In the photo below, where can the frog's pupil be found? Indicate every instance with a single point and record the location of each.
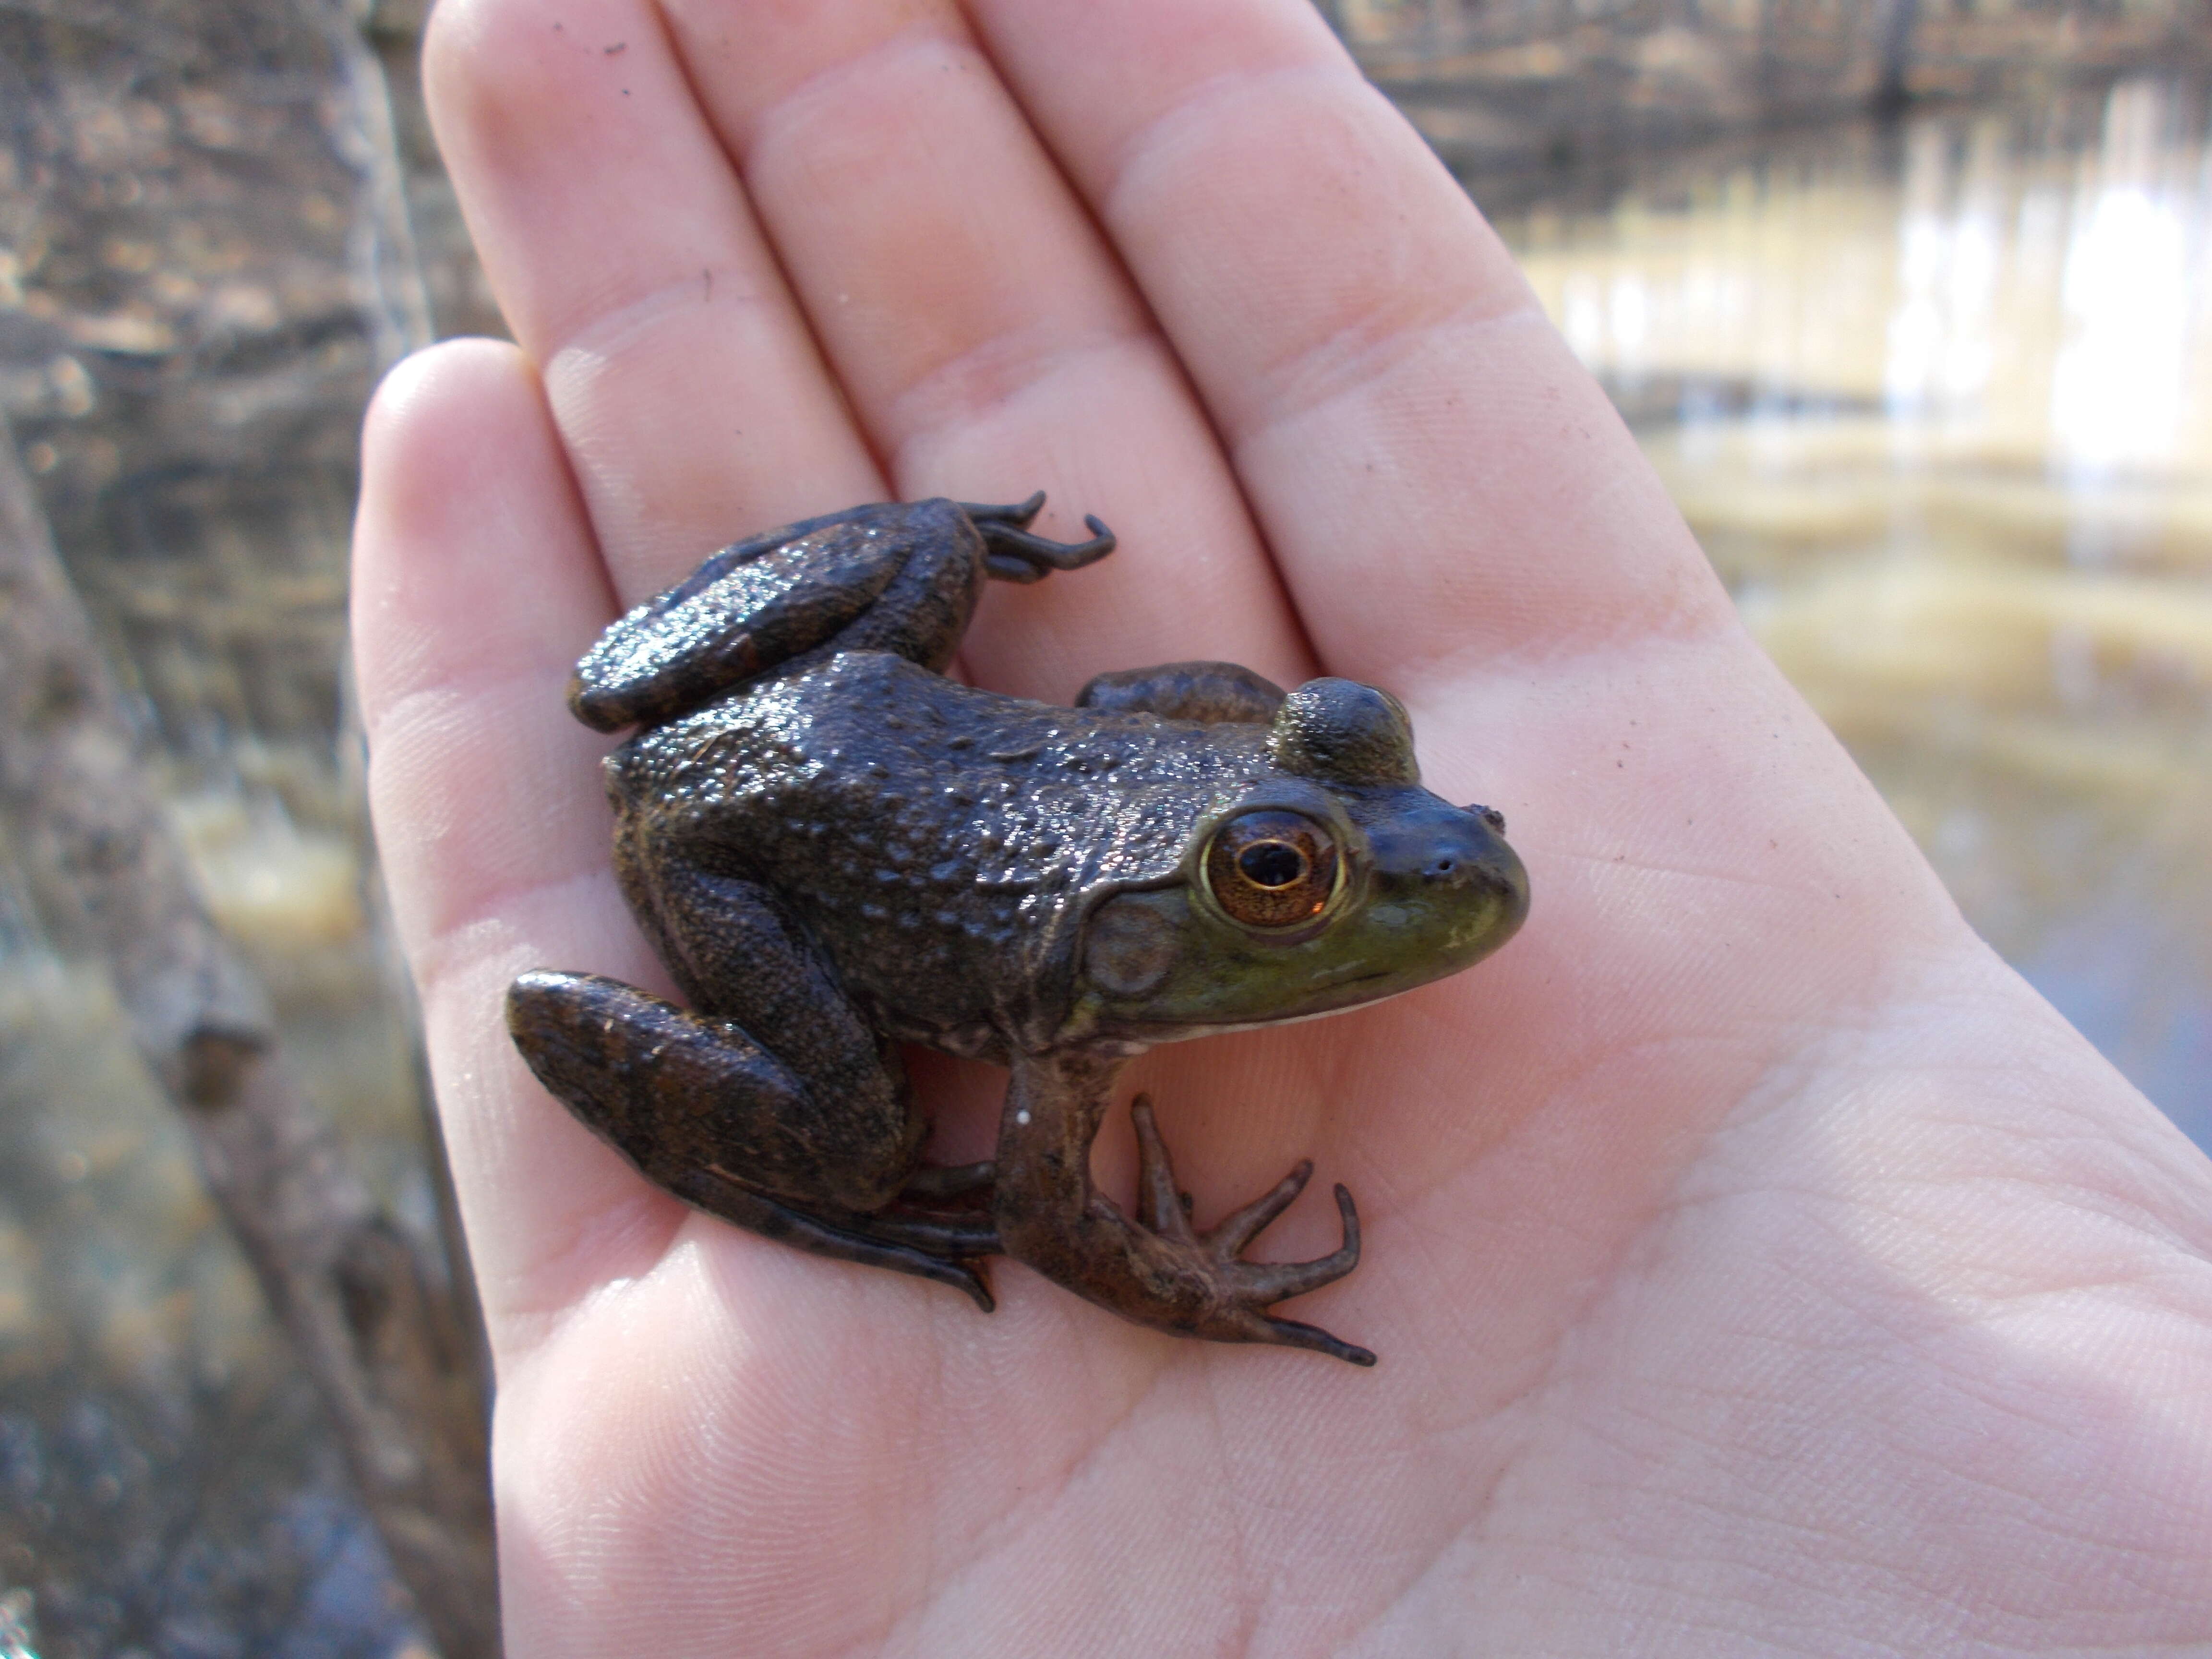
(1271, 864)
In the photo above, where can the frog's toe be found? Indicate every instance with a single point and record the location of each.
(1279, 1281)
(1236, 1230)
(1246, 1289)
(1293, 1335)
(1012, 554)
(1018, 513)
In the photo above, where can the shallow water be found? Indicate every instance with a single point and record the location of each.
(1937, 399)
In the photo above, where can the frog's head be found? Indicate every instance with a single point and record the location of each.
(1333, 880)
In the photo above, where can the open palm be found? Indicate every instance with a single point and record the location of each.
(1755, 1263)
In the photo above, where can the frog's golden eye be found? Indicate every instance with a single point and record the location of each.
(1270, 868)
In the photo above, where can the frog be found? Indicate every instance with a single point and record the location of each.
(839, 852)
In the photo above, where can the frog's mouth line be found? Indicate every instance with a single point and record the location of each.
(1354, 1007)
(1338, 981)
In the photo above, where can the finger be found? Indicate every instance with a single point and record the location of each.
(1439, 480)
(986, 334)
(688, 395)
(475, 584)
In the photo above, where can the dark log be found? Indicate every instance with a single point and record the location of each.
(390, 1355)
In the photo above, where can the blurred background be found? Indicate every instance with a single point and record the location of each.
(1904, 298)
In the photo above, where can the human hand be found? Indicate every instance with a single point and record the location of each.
(1756, 1263)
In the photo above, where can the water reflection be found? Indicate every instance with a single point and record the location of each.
(1938, 400)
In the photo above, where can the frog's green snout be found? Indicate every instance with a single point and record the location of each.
(1453, 857)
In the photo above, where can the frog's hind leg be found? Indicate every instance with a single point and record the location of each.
(896, 576)
(705, 1112)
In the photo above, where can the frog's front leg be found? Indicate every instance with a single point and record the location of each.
(1155, 1268)
(708, 1114)
(1216, 693)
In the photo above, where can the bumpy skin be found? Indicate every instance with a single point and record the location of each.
(835, 850)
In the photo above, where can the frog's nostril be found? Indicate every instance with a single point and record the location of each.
(1442, 868)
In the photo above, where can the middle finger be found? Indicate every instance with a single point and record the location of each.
(692, 405)
(985, 334)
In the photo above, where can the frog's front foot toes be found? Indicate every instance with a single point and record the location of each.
(1243, 1291)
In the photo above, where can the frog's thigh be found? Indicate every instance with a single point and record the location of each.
(708, 1114)
(851, 1136)
(672, 1090)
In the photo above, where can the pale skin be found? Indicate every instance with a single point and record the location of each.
(1757, 1265)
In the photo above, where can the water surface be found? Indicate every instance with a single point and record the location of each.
(1936, 396)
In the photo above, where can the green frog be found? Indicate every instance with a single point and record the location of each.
(837, 850)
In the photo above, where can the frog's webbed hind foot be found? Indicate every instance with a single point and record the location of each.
(1245, 1289)
(943, 1249)
(1012, 553)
